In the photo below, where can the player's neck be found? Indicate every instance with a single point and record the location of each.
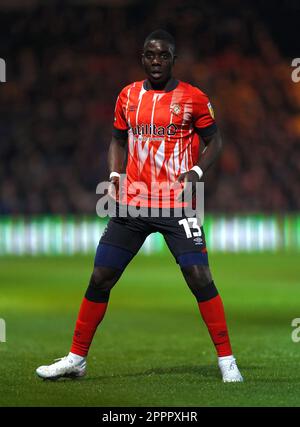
(168, 85)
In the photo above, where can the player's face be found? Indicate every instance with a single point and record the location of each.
(158, 59)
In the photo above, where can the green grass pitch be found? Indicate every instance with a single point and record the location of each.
(152, 349)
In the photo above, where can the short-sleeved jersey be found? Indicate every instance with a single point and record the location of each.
(163, 129)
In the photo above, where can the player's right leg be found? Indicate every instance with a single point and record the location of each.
(119, 243)
(91, 313)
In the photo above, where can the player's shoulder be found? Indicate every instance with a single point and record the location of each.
(195, 91)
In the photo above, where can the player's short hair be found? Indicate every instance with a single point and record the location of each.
(161, 35)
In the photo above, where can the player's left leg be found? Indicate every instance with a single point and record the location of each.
(199, 279)
(186, 240)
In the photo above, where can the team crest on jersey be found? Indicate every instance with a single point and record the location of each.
(211, 110)
(175, 108)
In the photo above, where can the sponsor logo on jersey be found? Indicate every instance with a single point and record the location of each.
(211, 110)
(132, 108)
(149, 129)
(176, 109)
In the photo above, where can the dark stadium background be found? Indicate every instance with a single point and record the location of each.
(66, 62)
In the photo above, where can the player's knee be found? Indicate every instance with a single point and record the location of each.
(197, 275)
(104, 277)
(199, 280)
(101, 282)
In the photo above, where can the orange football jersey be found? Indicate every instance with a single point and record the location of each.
(163, 128)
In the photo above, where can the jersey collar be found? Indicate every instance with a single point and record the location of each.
(171, 85)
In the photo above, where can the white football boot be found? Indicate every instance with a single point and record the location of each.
(71, 366)
(230, 371)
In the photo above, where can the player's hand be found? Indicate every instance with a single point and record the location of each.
(113, 188)
(188, 190)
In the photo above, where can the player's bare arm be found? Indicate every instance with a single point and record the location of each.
(116, 161)
(212, 150)
(207, 157)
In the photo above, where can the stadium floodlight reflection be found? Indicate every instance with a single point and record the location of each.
(57, 235)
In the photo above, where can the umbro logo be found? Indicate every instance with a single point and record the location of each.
(198, 241)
